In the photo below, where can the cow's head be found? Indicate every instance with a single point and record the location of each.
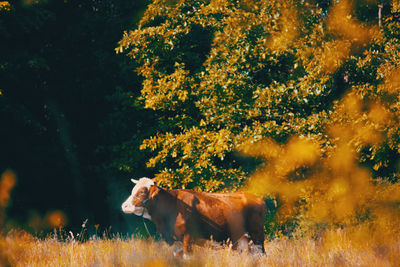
(143, 191)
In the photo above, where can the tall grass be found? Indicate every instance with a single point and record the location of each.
(22, 249)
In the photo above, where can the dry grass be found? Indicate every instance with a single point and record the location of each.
(21, 249)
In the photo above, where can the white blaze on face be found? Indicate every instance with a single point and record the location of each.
(129, 207)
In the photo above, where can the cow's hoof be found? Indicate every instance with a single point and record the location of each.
(178, 254)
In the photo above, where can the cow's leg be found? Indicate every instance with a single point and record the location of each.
(181, 232)
(187, 246)
(236, 229)
(242, 244)
(257, 238)
(177, 249)
(257, 247)
(255, 228)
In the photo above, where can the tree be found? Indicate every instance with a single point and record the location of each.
(219, 74)
(305, 86)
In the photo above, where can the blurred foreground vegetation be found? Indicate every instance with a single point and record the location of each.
(333, 249)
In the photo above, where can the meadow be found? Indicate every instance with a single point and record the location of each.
(333, 248)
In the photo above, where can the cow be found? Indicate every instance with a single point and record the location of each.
(190, 216)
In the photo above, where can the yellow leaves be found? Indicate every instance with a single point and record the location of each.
(332, 188)
(282, 161)
(351, 104)
(343, 158)
(388, 193)
(326, 56)
(220, 143)
(56, 219)
(332, 193)
(342, 22)
(266, 148)
(333, 54)
(167, 91)
(195, 148)
(392, 82)
(357, 127)
(348, 192)
(5, 5)
(217, 6)
(7, 182)
(302, 152)
(348, 35)
(395, 6)
(268, 69)
(352, 123)
(288, 30)
(378, 114)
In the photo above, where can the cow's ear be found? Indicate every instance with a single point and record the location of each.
(153, 191)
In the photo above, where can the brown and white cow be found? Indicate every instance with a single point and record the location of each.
(187, 215)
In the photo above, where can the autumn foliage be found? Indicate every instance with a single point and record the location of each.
(310, 89)
(225, 73)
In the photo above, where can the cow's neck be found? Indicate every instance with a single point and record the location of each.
(163, 204)
(162, 210)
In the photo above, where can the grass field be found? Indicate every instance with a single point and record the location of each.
(22, 249)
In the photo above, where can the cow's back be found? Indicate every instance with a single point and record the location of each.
(222, 215)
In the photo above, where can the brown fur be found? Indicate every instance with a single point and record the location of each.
(186, 215)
